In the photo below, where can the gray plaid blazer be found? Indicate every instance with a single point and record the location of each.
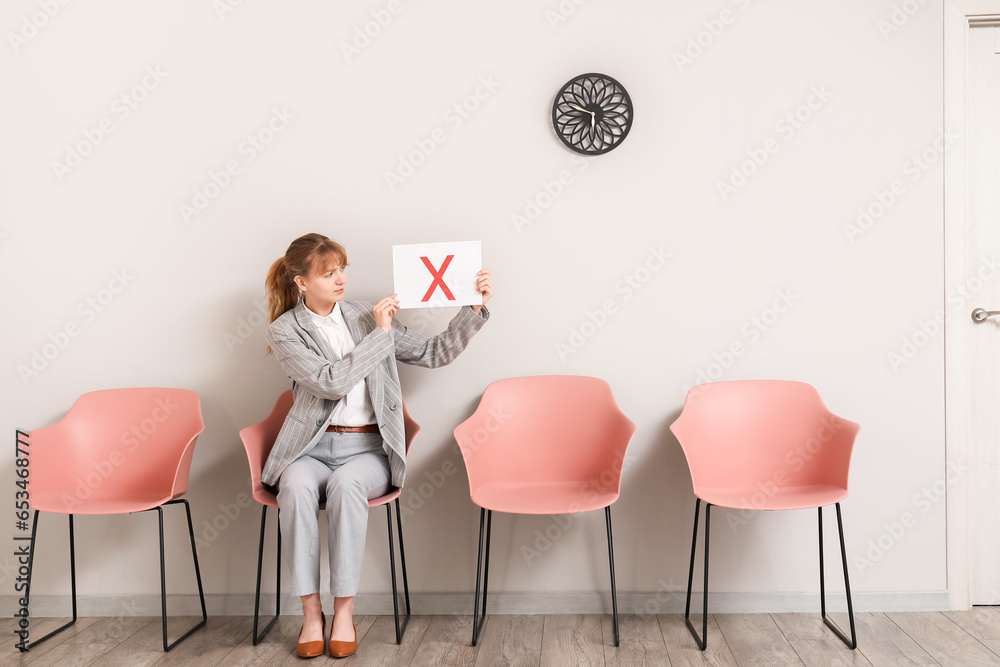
(319, 380)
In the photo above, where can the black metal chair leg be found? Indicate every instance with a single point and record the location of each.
(163, 577)
(703, 640)
(260, 566)
(400, 628)
(194, 557)
(72, 578)
(476, 621)
(851, 643)
(392, 568)
(611, 560)
(402, 559)
(486, 565)
(277, 572)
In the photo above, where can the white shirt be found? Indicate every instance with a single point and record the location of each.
(354, 408)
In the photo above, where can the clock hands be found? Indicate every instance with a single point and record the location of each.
(592, 116)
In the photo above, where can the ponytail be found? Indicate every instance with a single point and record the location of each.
(282, 293)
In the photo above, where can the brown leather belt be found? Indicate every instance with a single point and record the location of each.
(370, 428)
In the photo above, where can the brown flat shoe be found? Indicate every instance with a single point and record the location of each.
(311, 649)
(339, 649)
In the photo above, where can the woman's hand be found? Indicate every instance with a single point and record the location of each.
(484, 287)
(384, 310)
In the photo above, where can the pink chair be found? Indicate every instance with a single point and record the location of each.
(117, 451)
(258, 440)
(765, 445)
(549, 444)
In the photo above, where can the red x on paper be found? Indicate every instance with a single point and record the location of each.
(438, 278)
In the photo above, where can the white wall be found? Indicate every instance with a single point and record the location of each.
(854, 300)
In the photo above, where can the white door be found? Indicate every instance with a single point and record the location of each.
(983, 338)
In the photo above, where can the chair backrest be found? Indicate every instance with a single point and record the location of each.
(545, 428)
(740, 433)
(116, 445)
(259, 439)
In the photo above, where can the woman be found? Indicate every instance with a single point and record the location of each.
(342, 441)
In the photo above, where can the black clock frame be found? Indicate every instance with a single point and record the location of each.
(602, 109)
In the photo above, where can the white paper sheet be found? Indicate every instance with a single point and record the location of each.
(428, 275)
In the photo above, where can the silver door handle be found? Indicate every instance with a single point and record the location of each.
(979, 315)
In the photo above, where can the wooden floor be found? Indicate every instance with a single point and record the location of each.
(925, 638)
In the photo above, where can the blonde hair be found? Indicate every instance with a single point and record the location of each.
(304, 254)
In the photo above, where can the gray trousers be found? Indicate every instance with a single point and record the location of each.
(344, 470)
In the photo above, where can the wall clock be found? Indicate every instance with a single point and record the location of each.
(592, 113)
